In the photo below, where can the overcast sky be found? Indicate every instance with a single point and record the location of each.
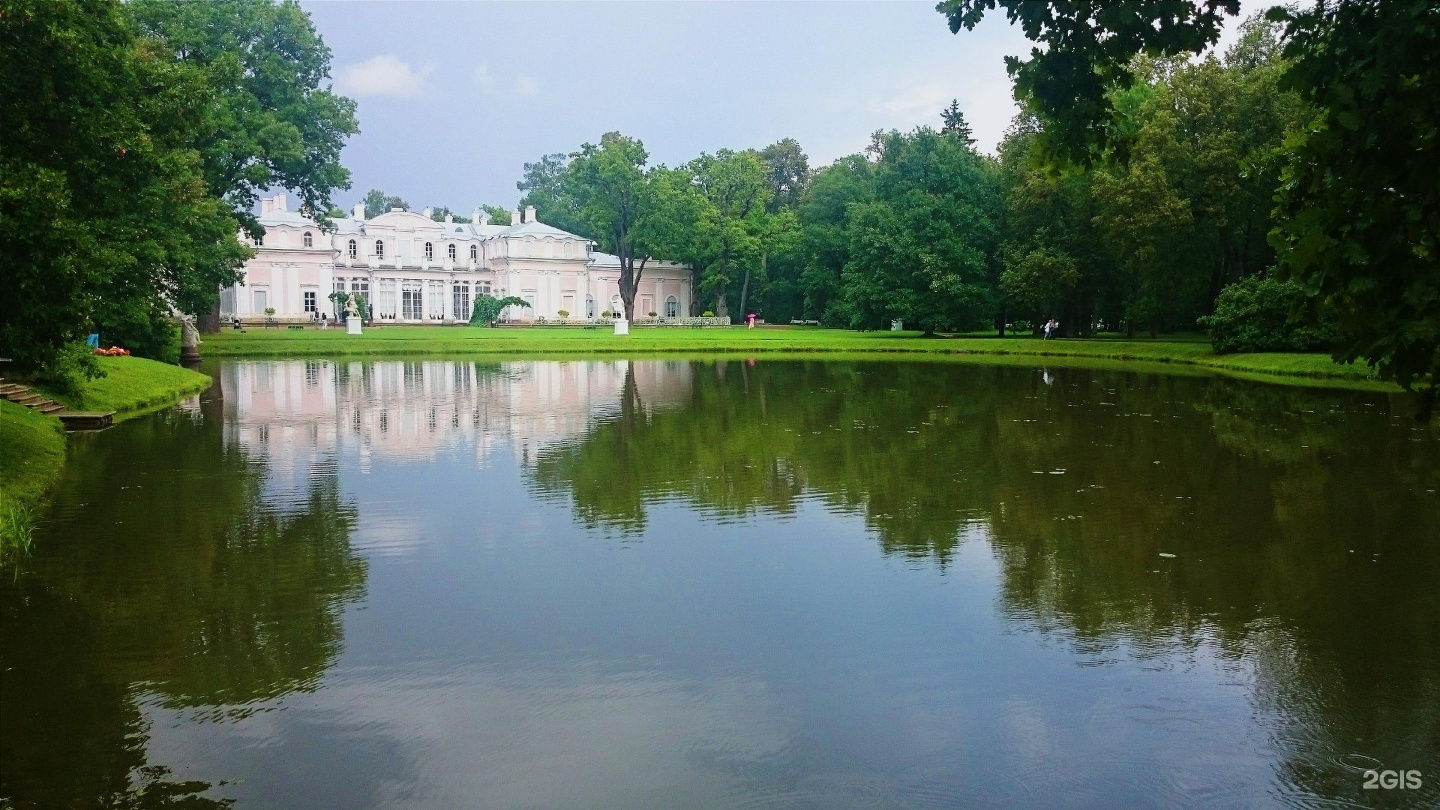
(455, 97)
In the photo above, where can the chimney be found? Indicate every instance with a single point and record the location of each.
(426, 212)
(280, 202)
(514, 217)
(358, 213)
(529, 213)
(449, 219)
(267, 204)
(482, 217)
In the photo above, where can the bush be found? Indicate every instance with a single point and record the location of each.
(707, 314)
(1253, 315)
(563, 313)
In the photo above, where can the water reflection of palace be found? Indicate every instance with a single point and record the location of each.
(414, 409)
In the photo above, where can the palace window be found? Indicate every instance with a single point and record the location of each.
(310, 300)
(452, 251)
(672, 307)
(436, 304)
(429, 252)
(483, 288)
(309, 240)
(354, 250)
(460, 298)
(387, 298)
(412, 303)
(260, 297)
(474, 252)
(379, 248)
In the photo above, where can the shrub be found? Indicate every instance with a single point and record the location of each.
(652, 314)
(707, 314)
(1253, 315)
(563, 313)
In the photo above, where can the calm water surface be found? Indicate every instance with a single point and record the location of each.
(731, 585)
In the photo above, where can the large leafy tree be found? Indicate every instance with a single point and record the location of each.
(273, 121)
(1357, 214)
(825, 216)
(922, 248)
(735, 188)
(1358, 205)
(609, 188)
(1084, 52)
(377, 202)
(106, 214)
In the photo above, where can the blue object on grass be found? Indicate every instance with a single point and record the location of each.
(93, 341)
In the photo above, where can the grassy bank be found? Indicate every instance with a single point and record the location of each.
(133, 385)
(32, 452)
(576, 341)
(32, 445)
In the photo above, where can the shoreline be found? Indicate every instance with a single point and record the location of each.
(781, 343)
(32, 444)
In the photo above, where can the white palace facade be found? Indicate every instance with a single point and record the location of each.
(415, 270)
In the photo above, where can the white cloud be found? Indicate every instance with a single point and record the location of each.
(383, 75)
(484, 78)
(526, 85)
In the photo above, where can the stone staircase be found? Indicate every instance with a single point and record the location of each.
(24, 395)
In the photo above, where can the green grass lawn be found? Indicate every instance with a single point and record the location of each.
(133, 384)
(578, 341)
(32, 453)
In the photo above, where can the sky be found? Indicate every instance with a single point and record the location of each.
(455, 97)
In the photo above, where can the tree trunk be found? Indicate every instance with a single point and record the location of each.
(1000, 322)
(745, 287)
(722, 307)
(209, 322)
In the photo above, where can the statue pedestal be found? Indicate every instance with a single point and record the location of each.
(352, 326)
(622, 327)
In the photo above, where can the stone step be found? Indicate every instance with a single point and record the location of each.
(53, 407)
(29, 401)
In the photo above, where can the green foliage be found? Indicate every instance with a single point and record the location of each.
(922, 247)
(1358, 207)
(378, 202)
(1085, 52)
(439, 214)
(1259, 314)
(137, 139)
(32, 453)
(487, 308)
(953, 123)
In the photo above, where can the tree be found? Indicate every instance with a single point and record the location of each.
(735, 187)
(922, 248)
(273, 124)
(439, 214)
(789, 171)
(378, 202)
(824, 214)
(953, 123)
(781, 264)
(547, 186)
(608, 188)
(1358, 206)
(1087, 50)
(104, 197)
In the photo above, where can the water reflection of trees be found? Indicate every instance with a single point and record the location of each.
(190, 586)
(1304, 523)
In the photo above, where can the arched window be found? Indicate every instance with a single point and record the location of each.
(589, 306)
(672, 307)
(309, 240)
(354, 250)
(429, 251)
(260, 240)
(474, 252)
(379, 248)
(452, 251)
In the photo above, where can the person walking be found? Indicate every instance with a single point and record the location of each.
(1049, 327)
(752, 321)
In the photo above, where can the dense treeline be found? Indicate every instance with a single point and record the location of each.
(924, 228)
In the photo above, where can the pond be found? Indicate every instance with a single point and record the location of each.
(731, 583)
